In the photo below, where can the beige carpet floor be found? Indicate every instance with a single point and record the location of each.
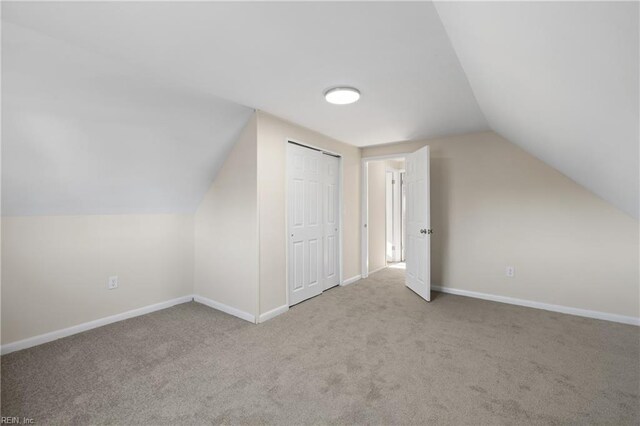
(372, 352)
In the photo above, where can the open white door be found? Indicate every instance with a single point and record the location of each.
(418, 237)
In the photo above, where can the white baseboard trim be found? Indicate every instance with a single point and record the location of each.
(351, 280)
(378, 269)
(273, 313)
(225, 308)
(59, 334)
(539, 305)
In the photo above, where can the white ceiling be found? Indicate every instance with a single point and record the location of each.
(560, 80)
(281, 57)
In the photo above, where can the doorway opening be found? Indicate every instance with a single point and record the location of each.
(396, 218)
(384, 209)
(385, 196)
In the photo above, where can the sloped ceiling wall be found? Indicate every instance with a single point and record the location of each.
(560, 79)
(86, 134)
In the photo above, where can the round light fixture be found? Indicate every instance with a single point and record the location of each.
(342, 95)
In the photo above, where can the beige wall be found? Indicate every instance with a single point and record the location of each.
(55, 268)
(272, 135)
(494, 205)
(376, 225)
(226, 230)
(395, 164)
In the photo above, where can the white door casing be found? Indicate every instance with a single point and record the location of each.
(403, 217)
(305, 222)
(394, 228)
(397, 216)
(331, 207)
(389, 217)
(418, 237)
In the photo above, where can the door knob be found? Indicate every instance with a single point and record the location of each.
(423, 231)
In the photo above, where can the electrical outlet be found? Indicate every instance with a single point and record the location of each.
(113, 282)
(510, 271)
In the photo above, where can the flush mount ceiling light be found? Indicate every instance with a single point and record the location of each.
(342, 95)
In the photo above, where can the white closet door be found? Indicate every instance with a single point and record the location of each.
(305, 223)
(418, 250)
(332, 221)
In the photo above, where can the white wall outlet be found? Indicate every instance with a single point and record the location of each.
(510, 271)
(113, 282)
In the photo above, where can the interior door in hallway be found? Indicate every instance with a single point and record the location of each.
(305, 227)
(418, 238)
(331, 218)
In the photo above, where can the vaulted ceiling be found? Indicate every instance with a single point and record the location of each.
(85, 134)
(560, 79)
(116, 107)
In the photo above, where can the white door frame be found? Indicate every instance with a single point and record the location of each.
(286, 209)
(364, 206)
(389, 210)
(396, 212)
